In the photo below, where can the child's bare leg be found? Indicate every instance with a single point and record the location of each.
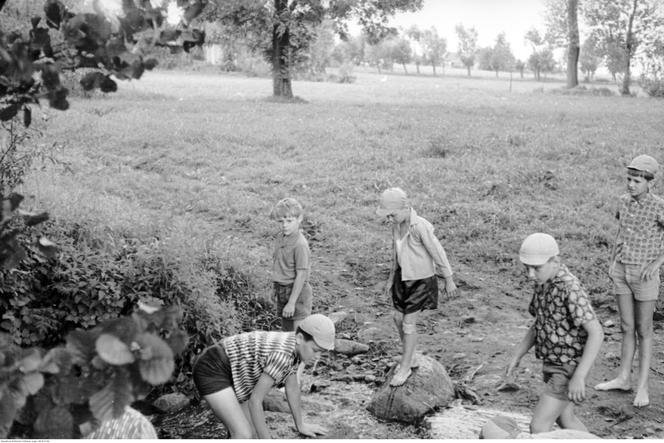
(568, 420)
(644, 312)
(398, 321)
(226, 406)
(247, 414)
(628, 346)
(547, 411)
(409, 340)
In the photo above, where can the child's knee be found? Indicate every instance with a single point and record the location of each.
(409, 328)
(537, 426)
(397, 317)
(627, 327)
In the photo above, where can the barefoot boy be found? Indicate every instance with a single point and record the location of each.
(566, 334)
(235, 374)
(417, 260)
(637, 256)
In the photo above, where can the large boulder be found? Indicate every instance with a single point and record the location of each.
(429, 387)
(130, 425)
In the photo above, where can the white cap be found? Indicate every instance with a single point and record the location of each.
(321, 329)
(537, 249)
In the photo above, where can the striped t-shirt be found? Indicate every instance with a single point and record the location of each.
(254, 353)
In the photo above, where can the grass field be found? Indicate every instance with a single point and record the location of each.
(193, 163)
(206, 156)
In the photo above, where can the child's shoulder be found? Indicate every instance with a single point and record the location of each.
(567, 281)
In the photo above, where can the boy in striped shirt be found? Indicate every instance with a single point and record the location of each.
(234, 375)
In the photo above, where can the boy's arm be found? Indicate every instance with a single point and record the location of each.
(265, 383)
(298, 284)
(521, 350)
(577, 388)
(292, 389)
(437, 252)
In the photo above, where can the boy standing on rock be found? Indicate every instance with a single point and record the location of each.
(418, 259)
(566, 334)
(638, 255)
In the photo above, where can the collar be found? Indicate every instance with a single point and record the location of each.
(289, 239)
(646, 199)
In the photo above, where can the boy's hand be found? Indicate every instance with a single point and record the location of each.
(577, 389)
(651, 270)
(312, 430)
(450, 287)
(509, 372)
(288, 310)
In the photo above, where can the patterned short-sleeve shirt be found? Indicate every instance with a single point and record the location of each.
(560, 307)
(252, 354)
(640, 237)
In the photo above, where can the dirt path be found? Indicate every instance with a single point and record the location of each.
(479, 328)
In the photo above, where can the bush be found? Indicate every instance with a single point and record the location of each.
(653, 86)
(92, 282)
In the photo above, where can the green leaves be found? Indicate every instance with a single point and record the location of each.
(54, 422)
(156, 359)
(113, 351)
(112, 400)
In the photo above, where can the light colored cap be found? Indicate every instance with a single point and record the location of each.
(537, 249)
(644, 163)
(392, 199)
(321, 329)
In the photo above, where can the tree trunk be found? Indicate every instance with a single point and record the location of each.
(281, 78)
(468, 68)
(573, 47)
(433, 65)
(496, 73)
(405, 71)
(629, 50)
(417, 65)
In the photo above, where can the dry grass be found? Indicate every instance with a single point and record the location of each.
(204, 157)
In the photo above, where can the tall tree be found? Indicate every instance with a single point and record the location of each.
(467, 47)
(414, 34)
(434, 47)
(590, 57)
(285, 28)
(621, 24)
(562, 31)
(501, 58)
(573, 46)
(541, 59)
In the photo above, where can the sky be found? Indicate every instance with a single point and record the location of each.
(488, 17)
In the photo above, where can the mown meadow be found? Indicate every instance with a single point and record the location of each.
(185, 167)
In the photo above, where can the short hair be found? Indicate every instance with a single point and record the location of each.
(637, 173)
(305, 334)
(287, 207)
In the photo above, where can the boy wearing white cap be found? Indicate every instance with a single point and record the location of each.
(418, 259)
(235, 374)
(637, 256)
(566, 334)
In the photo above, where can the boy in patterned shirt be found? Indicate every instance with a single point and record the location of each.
(234, 375)
(566, 334)
(637, 256)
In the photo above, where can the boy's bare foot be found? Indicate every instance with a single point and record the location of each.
(641, 400)
(615, 384)
(415, 362)
(400, 377)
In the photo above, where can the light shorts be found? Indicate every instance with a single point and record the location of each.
(627, 281)
(557, 379)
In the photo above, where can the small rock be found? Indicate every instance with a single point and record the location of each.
(319, 385)
(459, 355)
(371, 334)
(274, 401)
(171, 402)
(609, 324)
(469, 320)
(370, 378)
(649, 430)
(356, 359)
(349, 347)
(338, 316)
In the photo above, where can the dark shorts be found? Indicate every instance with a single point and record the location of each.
(414, 295)
(557, 379)
(302, 305)
(212, 371)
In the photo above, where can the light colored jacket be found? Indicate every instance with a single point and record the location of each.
(422, 255)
